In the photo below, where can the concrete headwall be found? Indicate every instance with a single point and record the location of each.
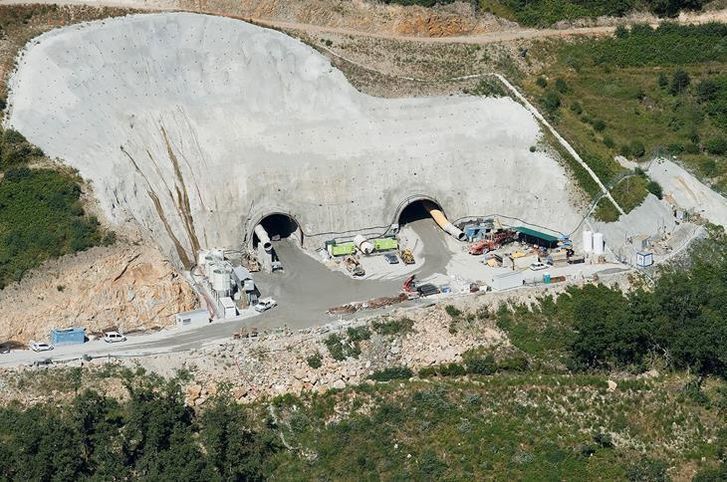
(197, 126)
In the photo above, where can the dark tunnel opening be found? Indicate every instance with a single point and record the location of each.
(279, 226)
(417, 210)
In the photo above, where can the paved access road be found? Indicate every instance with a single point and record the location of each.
(304, 293)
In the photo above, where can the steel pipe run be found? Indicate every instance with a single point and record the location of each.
(444, 223)
(262, 235)
(366, 247)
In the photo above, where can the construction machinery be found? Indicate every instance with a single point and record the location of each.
(407, 256)
(409, 288)
(353, 266)
(497, 240)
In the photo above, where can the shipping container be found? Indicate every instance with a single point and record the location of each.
(68, 336)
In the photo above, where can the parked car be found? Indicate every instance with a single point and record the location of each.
(113, 337)
(391, 258)
(265, 304)
(538, 266)
(40, 346)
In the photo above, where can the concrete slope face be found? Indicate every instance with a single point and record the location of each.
(197, 126)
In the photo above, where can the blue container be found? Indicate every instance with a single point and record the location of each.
(546, 278)
(68, 336)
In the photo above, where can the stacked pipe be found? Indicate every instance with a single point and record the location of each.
(444, 223)
(262, 235)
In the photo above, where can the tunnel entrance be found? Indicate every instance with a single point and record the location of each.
(416, 211)
(429, 209)
(278, 226)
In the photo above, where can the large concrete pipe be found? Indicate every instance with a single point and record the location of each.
(444, 223)
(262, 235)
(366, 247)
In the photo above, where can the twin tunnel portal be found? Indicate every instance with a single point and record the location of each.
(278, 226)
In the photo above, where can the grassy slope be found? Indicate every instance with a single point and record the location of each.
(611, 100)
(531, 426)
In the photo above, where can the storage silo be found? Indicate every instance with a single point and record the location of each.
(598, 244)
(587, 241)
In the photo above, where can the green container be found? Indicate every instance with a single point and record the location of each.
(385, 244)
(342, 249)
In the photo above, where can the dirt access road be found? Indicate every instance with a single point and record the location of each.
(506, 35)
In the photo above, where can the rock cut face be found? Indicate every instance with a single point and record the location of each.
(197, 126)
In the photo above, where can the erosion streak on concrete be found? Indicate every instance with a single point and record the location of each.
(182, 196)
(262, 120)
(183, 258)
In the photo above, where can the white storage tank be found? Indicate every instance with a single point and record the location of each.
(598, 244)
(220, 279)
(366, 247)
(587, 241)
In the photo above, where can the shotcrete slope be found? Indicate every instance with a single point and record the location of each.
(196, 126)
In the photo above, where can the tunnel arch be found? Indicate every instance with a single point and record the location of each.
(278, 225)
(422, 207)
(414, 208)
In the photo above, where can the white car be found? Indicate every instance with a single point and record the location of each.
(113, 337)
(538, 266)
(265, 304)
(40, 346)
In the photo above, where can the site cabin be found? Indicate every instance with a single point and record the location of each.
(507, 280)
(644, 259)
(195, 317)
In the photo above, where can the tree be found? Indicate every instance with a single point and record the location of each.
(679, 82)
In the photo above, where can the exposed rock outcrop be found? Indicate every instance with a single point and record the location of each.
(124, 286)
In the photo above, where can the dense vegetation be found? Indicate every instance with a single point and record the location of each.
(544, 13)
(41, 214)
(152, 436)
(642, 92)
(680, 321)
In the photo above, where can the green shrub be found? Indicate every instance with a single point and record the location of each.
(360, 333)
(453, 311)
(679, 82)
(516, 363)
(655, 188)
(481, 365)
(551, 101)
(443, 370)
(392, 373)
(393, 327)
(561, 85)
(576, 107)
(647, 470)
(663, 80)
(637, 148)
(621, 31)
(599, 125)
(608, 142)
(315, 361)
(541, 82)
(716, 146)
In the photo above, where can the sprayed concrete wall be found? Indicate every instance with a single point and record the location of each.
(197, 126)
